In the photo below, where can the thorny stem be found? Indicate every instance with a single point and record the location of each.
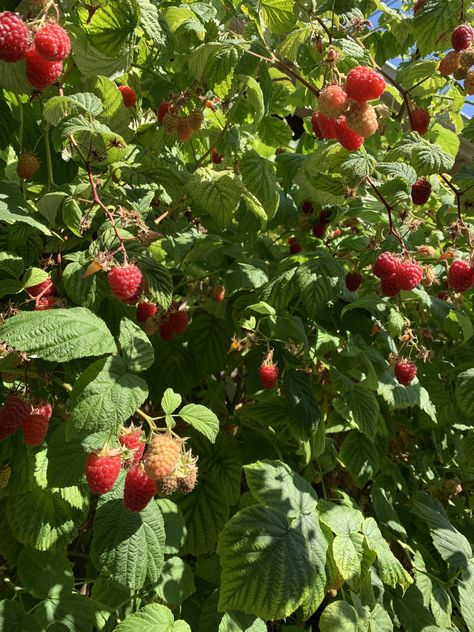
(389, 208)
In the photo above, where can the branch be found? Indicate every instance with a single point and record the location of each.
(389, 208)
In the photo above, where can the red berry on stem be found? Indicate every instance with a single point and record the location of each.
(364, 84)
(163, 109)
(333, 101)
(420, 121)
(13, 37)
(347, 138)
(218, 293)
(319, 230)
(138, 490)
(145, 311)
(52, 42)
(174, 322)
(389, 286)
(102, 470)
(268, 372)
(12, 414)
(45, 288)
(405, 371)
(460, 276)
(216, 157)
(462, 37)
(40, 72)
(43, 408)
(27, 166)
(420, 191)
(295, 248)
(307, 207)
(129, 96)
(386, 265)
(323, 127)
(125, 282)
(35, 428)
(353, 281)
(408, 275)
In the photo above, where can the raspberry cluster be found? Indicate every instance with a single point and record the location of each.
(396, 274)
(179, 124)
(33, 418)
(458, 62)
(173, 322)
(344, 112)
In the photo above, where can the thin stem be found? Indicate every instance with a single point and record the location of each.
(49, 164)
(320, 21)
(403, 93)
(389, 208)
(456, 192)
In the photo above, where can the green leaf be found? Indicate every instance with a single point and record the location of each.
(58, 334)
(277, 15)
(258, 175)
(89, 292)
(56, 108)
(239, 622)
(175, 528)
(13, 208)
(176, 582)
(339, 616)
(126, 545)
(104, 396)
(465, 585)
(217, 195)
(14, 619)
(360, 457)
(290, 46)
(341, 519)
(390, 569)
(426, 158)
(43, 572)
(304, 411)
(202, 419)
(150, 22)
(274, 131)
(170, 401)
(152, 618)
(66, 460)
(465, 392)
(137, 350)
(254, 95)
(434, 23)
(346, 556)
(365, 409)
(319, 282)
(63, 613)
(110, 27)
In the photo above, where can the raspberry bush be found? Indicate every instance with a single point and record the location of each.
(236, 331)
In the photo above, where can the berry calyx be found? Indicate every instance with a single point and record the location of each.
(420, 191)
(162, 455)
(405, 371)
(333, 101)
(40, 72)
(460, 276)
(408, 275)
(102, 469)
(364, 84)
(362, 119)
(218, 293)
(13, 37)
(347, 138)
(125, 281)
(323, 126)
(462, 37)
(268, 372)
(353, 281)
(131, 439)
(420, 120)
(138, 490)
(129, 96)
(386, 265)
(27, 166)
(145, 310)
(52, 42)
(35, 428)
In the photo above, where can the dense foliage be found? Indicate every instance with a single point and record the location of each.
(237, 350)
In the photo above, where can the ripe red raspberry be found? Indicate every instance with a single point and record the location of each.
(347, 138)
(131, 438)
(389, 285)
(319, 230)
(12, 414)
(405, 371)
(353, 281)
(162, 455)
(418, 5)
(467, 58)
(43, 408)
(13, 37)
(462, 37)
(45, 288)
(129, 96)
(52, 42)
(469, 83)
(125, 281)
(174, 322)
(460, 276)
(333, 101)
(163, 109)
(420, 191)
(420, 120)
(216, 157)
(386, 265)
(218, 293)
(35, 428)
(102, 470)
(408, 274)
(364, 84)
(450, 63)
(27, 166)
(268, 372)
(145, 311)
(139, 489)
(39, 72)
(196, 119)
(323, 127)
(295, 247)
(45, 302)
(307, 207)
(362, 119)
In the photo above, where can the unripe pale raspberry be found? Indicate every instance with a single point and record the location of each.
(125, 282)
(386, 265)
(218, 293)
(323, 127)
(420, 120)
(187, 483)
(52, 42)
(196, 119)
(420, 191)
(129, 96)
(405, 371)
(162, 455)
(460, 276)
(40, 72)
(362, 119)
(364, 84)
(348, 139)
(408, 275)
(467, 58)
(462, 37)
(460, 73)
(469, 83)
(184, 129)
(138, 490)
(167, 485)
(450, 63)
(27, 166)
(13, 37)
(171, 122)
(333, 101)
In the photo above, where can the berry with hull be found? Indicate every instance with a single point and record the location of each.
(405, 371)
(420, 120)
(52, 42)
(347, 138)
(35, 428)
(28, 165)
(295, 248)
(333, 101)
(323, 126)
(420, 191)
(138, 490)
(353, 281)
(450, 63)
(162, 455)
(43, 408)
(40, 72)
(102, 470)
(174, 322)
(196, 119)
(167, 486)
(362, 119)
(462, 37)
(460, 276)
(145, 310)
(386, 265)
(307, 207)
(13, 37)
(125, 282)
(268, 372)
(131, 439)
(319, 230)
(216, 157)
(364, 84)
(170, 122)
(129, 96)
(408, 275)
(187, 483)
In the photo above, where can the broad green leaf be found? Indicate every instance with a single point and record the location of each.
(88, 292)
(304, 410)
(63, 612)
(274, 131)
(360, 456)
(13, 618)
(341, 519)
(43, 572)
(254, 95)
(175, 528)
(152, 618)
(426, 158)
(217, 195)
(170, 401)
(465, 585)
(319, 281)
(290, 46)
(56, 108)
(58, 334)
(202, 419)
(239, 622)
(345, 556)
(258, 175)
(465, 392)
(339, 616)
(110, 27)
(14, 208)
(390, 569)
(66, 460)
(137, 350)
(277, 15)
(433, 24)
(365, 409)
(176, 581)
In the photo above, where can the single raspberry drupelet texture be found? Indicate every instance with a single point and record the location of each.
(364, 84)
(13, 413)
(460, 276)
(268, 372)
(323, 126)
(450, 63)
(408, 275)
(139, 489)
(102, 470)
(333, 101)
(216, 157)
(125, 282)
(43, 408)
(129, 96)
(386, 265)
(131, 438)
(420, 120)
(45, 288)
(35, 428)
(469, 83)
(52, 42)
(389, 285)
(163, 109)
(467, 58)
(196, 119)
(353, 281)
(405, 371)
(167, 485)
(162, 455)
(218, 293)
(13, 37)
(362, 119)
(27, 166)
(187, 483)
(40, 72)
(420, 191)
(348, 139)
(460, 73)
(462, 37)
(170, 122)
(184, 129)
(145, 310)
